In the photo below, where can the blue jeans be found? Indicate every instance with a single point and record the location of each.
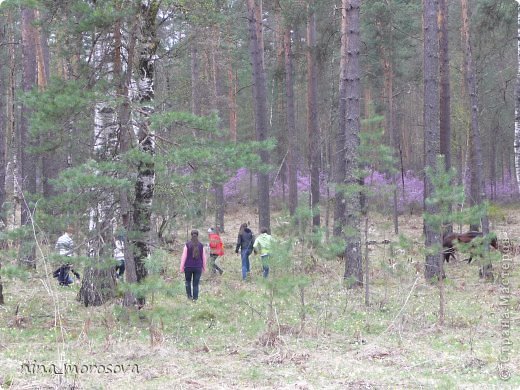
(245, 262)
(265, 265)
(189, 274)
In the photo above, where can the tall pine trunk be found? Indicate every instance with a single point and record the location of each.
(2, 153)
(256, 47)
(476, 166)
(388, 70)
(216, 87)
(313, 131)
(444, 76)
(27, 254)
(339, 151)
(350, 45)
(517, 106)
(431, 129)
(232, 100)
(125, 139)
(291, 122)
(445, 95)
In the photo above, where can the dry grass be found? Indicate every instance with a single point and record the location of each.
(223, 341)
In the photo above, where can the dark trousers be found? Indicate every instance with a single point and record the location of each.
(192, 275)
(120, 268)
(64, 277)
(214, 266)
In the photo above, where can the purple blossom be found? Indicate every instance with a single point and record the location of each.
(379, 185)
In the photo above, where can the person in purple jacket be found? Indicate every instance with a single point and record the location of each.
(193, 264)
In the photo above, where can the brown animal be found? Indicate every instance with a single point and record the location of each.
(449, 239)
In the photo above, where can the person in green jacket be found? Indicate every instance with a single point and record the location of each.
(262, 246)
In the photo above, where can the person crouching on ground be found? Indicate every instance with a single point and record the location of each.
(216, 249)
(65, 247)
(262, 245)
(193, 264)
(245, 245)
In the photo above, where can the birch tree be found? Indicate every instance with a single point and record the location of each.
(145, 183)
(98, 283)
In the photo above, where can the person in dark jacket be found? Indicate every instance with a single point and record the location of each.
(245, 242)
(63, 274)
(193, 264)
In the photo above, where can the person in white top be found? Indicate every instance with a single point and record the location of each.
(65, 247)
(119, 256)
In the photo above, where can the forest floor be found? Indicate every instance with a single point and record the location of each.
(225, 341)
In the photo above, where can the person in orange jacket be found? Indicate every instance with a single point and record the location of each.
(216, 249)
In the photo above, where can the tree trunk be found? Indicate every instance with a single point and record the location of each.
(340, 152)
(3, 137)
(477, 166)
(2, 157)
(445, 96)
(260, 103)
(313, 131)
(388, 70)
(195, 77)
(55, 160)
(28, 163)
(232, 101)
(42, 54)
(291, 123)
(98, 284)
(431, 128)
(278, 107)
(351, 44)
(145, 183)
(493, 165)
(1, 289)
(444, 75)
(517, 106)
(125, 136)
(27, 250)
(216, 105)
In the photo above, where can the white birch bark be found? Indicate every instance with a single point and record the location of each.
(98, 284)
(145, 182)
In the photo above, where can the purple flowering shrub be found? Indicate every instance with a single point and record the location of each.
(236, 188)
(379, 189)
(504, 190)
